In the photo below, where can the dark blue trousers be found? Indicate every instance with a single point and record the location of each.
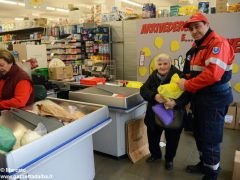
(208, 125)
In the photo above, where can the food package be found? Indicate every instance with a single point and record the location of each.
(29, 136)
(7, 139)
(49, 108)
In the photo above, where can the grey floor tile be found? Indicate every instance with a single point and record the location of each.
(108, 168)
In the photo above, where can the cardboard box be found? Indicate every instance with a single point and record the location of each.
(236, 168)
(67, 72)
(230, 118)
(56, 73)
(59, 73)
(28, 51)
(237, 123)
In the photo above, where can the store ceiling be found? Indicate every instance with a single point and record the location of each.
(9, 12)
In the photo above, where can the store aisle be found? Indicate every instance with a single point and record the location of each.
(111, 169)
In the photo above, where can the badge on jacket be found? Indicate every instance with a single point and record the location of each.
(215, 50)
(189, 57)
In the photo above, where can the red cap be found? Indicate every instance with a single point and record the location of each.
(195, 18)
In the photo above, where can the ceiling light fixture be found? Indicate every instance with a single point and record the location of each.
(50, 8)
(62, 10)
(19, 19)
(8, 2)
(21, 4)
(35, 7)
(132, 3)
(84, 6)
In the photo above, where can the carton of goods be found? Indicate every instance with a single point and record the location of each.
(230, 118)
(92, 81)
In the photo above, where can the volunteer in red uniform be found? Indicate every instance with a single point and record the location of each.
(16, 89)
(209, 63)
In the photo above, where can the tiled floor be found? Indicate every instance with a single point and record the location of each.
(111, 169)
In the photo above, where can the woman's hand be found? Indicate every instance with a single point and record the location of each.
(159, 98)
(170, 103)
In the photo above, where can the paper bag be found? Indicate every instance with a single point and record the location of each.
(137, 143)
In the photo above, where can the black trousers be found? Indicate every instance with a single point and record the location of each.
(172, 139)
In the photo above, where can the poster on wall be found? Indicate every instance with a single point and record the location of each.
(167, 35)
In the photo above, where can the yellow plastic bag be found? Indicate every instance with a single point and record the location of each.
(171, 90)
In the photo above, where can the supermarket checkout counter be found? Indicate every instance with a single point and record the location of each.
(66, 86)
(124, 104)
(65, 152)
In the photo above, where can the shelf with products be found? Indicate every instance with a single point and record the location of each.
(89, 50)
(23, 31)
(98, 51)
(21, 36)
(67, 49)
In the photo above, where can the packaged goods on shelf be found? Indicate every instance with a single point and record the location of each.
(187, 10)
(149, 10)
(163, 13)
(203, 7)
(174, 10)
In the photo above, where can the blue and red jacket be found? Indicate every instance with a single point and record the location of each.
(211, 65)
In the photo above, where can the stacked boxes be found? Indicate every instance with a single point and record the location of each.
(237, 124)
(230, 117)
(236, 169)
(59, 73)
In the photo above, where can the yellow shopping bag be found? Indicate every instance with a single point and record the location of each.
(171, 90)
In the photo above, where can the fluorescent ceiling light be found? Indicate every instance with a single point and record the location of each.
(21, 4)
(83, 5)
(36, 14)
(132, 3)
(50, 8)
(19, 19)
(62, 10)
(8, 2)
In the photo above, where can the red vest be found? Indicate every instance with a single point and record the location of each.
(11, 79)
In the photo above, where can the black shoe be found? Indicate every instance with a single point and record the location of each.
(152, 159)
(196, 169)
(168, 165)
(207, 177)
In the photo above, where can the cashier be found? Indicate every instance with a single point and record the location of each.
(16, 88)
